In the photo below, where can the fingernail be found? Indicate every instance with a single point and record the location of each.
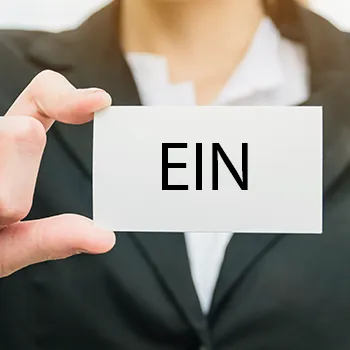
(102, 94)
(78, 252)
(94, 90)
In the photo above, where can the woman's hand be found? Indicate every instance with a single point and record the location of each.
(48, 97)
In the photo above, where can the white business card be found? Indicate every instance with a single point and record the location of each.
(208, 169)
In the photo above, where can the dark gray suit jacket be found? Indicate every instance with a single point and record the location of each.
(275, 292)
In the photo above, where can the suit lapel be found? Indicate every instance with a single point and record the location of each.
(330, 85)
(245, 250)
(167, 253)
(90, 57)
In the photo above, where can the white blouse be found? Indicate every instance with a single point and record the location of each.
(274, 71)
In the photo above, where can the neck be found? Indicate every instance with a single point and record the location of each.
(168, 26)
(186, 31)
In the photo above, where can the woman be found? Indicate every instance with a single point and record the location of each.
(174, 291)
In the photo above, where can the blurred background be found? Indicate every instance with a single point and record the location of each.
(56, 15)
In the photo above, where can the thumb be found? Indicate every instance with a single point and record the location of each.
(31, 242)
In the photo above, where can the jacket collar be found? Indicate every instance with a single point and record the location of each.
(90, 56)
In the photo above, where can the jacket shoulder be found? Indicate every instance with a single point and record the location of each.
(347, 35)
(15, 43)
(16, 71)
(19, 38)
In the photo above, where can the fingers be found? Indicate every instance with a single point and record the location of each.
(22, 141)
(50, 96)
(27, 243)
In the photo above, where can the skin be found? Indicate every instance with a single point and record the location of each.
(203, 40)
(49, 97)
